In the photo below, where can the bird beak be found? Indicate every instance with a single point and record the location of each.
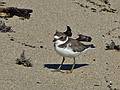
(54, 40)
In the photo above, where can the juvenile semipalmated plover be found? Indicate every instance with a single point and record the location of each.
(68, 47)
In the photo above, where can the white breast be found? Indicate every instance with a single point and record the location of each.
(66, 52)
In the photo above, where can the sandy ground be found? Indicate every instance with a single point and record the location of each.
(103, 69)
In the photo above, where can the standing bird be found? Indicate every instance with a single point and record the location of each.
(66, 46)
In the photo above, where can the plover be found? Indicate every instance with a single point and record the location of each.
(68, 47)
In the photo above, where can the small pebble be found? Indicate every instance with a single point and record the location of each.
(41, 46)
(38, 82)
(103, 35)
(12, 39)
(106, 63)
(93, 59)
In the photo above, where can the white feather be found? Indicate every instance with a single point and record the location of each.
(66, 52)
(59, 42)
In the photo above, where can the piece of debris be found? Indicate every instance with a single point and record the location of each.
(23, 61)
(2, 3)
(94, 59)
(11, 39)
(41, 46)
(13, 11)
(4, 28)
(105, 1)
(110, 85)
(81, 5)
(96, 85)
(95, 4)
(114, 29)
(108, 10)
(107, 63)
(84, 38)
(22, 43)
(93, 9)
(119, 37)
(28, 45)
(96, 7)
(103, 35)
(112, 46)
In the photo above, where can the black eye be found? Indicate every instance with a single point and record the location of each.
(61, 37)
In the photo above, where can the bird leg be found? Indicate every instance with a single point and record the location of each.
(58, 69)
(73, 65)
(61, 64)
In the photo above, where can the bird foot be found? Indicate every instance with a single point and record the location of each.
(69, 71)
(57, 70)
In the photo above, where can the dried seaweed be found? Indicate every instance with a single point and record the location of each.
(9, 12)
(108, 10)
(93, 9)
(81, 5)
(23, 61)
(96, 7)
(112, 46)
(105, 1)
(4, 28)
(94, 3)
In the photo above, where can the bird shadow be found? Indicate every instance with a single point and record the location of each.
(64, 66)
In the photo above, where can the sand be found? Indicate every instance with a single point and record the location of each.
(103, 69)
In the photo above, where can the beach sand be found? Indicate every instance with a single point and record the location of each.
(83, 16)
